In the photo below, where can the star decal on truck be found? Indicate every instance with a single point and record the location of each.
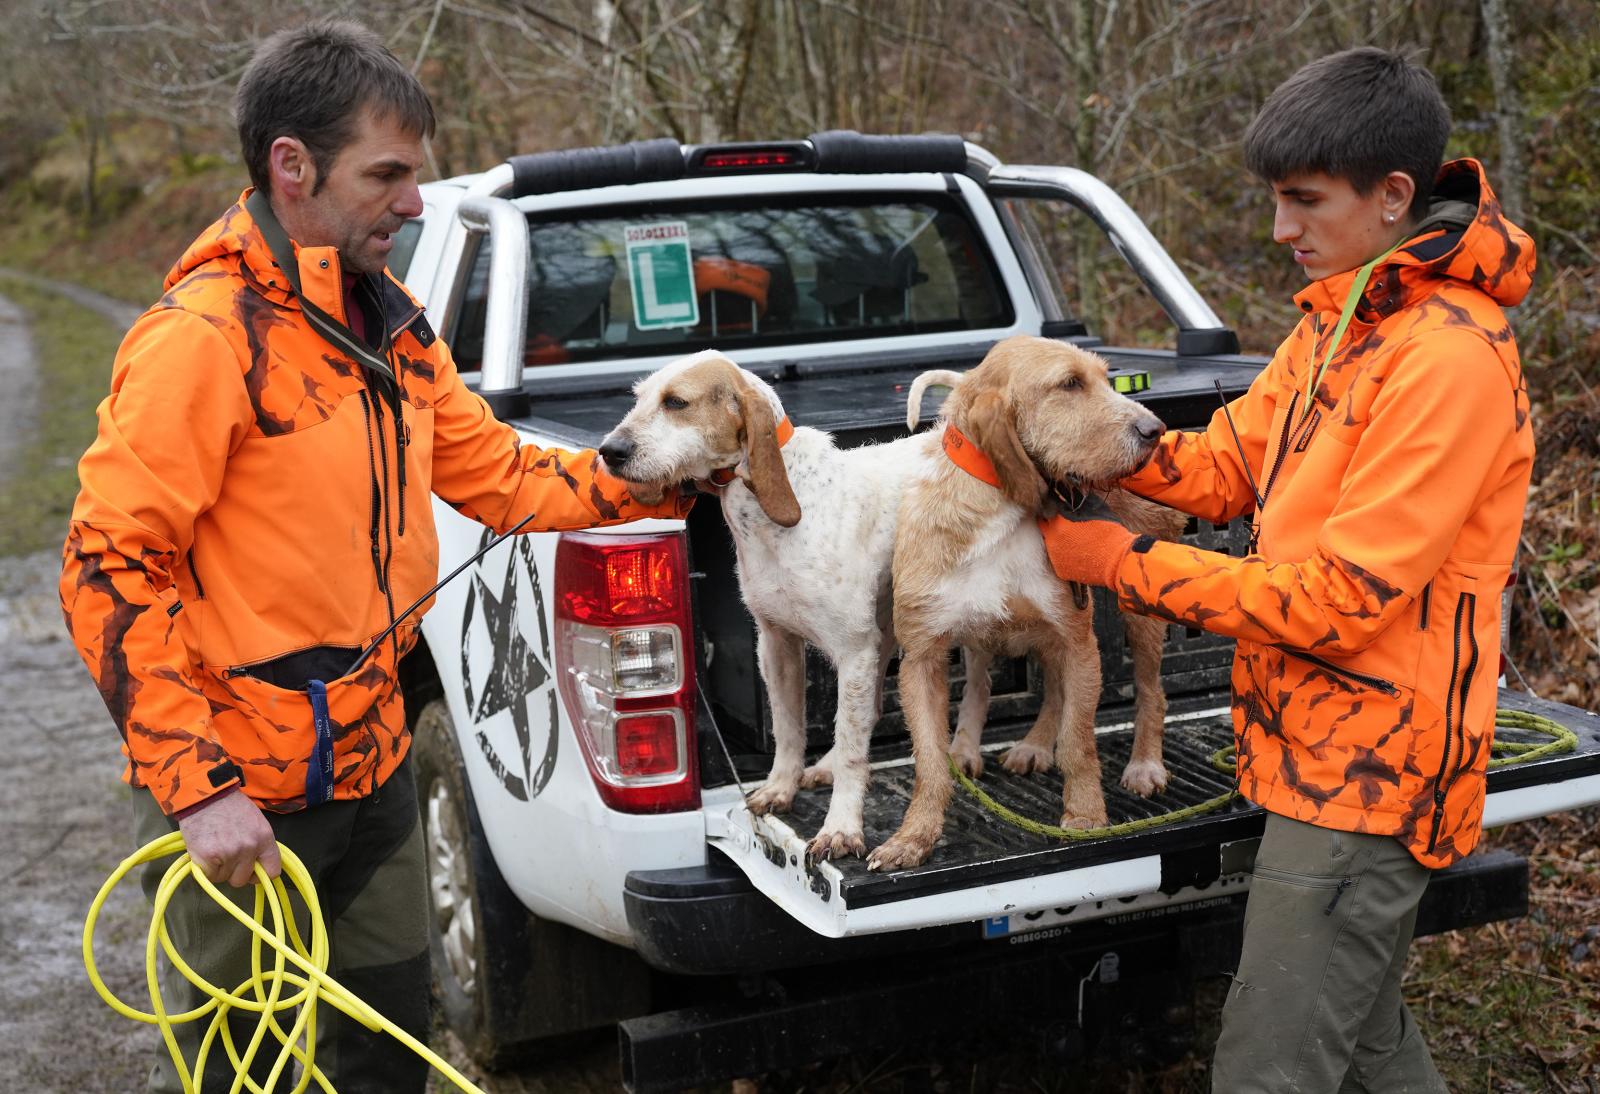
(515, 672)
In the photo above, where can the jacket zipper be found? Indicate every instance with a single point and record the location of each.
(400, 445)
(377, 501)
(1455, 714)
(388, 543)
(395, 366)
(1272, 475)
(1426, 602)
(1376, 683)
(199, 589)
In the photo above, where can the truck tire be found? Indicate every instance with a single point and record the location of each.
(512, 986)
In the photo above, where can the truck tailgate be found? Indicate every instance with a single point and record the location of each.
(985, 869)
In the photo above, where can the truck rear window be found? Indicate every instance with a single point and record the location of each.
(666, 279)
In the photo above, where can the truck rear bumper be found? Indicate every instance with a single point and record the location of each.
(712, 920)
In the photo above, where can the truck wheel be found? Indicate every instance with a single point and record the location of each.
(512, 986)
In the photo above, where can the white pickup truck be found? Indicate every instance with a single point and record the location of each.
(587, 708)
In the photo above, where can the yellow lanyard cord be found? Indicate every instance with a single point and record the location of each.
(1357, 287)
(264, 992)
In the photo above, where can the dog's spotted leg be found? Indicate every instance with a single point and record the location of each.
(782, 657)
(974, 712)
(859, 682)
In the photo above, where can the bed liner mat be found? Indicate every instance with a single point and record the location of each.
(979, 851)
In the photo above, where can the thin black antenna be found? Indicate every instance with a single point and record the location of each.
(441, 583)
(1251, 479)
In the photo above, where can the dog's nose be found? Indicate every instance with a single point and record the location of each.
(1149, 428)
(616, 450)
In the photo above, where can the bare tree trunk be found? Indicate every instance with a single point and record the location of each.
(1513, 186)
(1086, 87)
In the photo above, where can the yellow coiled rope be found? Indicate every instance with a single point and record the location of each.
(285, 976)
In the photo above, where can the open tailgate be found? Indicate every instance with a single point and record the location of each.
(986, 870)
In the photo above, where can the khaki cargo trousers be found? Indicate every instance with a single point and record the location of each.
(366, 859)
(1315, 1007)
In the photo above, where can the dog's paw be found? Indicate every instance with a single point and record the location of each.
(1020, 759)
(836, 844)
(771, 797)
(1084, 819)
(1145, 777)
(902, 851)
(818, 774)
(967, 758)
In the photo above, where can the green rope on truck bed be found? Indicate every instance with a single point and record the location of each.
(1561, 740)
(1055, 831)
(1520, 752)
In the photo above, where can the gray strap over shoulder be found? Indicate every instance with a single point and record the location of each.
(336, 333)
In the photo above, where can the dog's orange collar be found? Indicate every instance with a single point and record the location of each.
(722, 476)
(967, 456)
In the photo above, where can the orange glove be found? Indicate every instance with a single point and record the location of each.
(1086, 544)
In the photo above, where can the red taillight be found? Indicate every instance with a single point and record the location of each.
(625, 666)
(748, 161)
(642, 582)
(603, 579)
(647, 744)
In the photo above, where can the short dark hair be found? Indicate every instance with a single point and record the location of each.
(1355, 115)
(312, 82)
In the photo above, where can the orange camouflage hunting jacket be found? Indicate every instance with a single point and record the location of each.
(247, 514)
(1368, 614)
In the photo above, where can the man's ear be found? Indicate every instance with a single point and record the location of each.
(291, 168)
(765, 474)
(1398, 190)
(988, 422)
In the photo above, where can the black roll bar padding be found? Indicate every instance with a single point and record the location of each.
(844, 151)
(583, 168)
(508, 405)
(1207, 342)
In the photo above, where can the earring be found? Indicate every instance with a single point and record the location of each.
(1389, 219)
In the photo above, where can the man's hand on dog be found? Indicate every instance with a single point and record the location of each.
(1086, 544)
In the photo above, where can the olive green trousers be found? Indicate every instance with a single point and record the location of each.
(1315, 1007)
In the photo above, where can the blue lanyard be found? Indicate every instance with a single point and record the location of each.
(319, 770)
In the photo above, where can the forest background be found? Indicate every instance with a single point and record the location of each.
(118, 149)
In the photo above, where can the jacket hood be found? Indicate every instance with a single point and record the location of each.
(1465, 237)
(234, 235)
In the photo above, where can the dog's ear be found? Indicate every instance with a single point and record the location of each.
(988, 423)
(765, 474)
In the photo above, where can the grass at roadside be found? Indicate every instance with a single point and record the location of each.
(74, 349)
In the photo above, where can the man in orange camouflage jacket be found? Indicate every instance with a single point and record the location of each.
(256, 508)
(1389, 442)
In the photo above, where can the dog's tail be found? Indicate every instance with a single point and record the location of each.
(939, 377)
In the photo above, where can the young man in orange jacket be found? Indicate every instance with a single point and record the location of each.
(1384, 455)
(255, 510)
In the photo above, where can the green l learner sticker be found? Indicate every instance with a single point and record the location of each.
(662, 273)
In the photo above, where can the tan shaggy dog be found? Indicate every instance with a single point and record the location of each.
(970, 569)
